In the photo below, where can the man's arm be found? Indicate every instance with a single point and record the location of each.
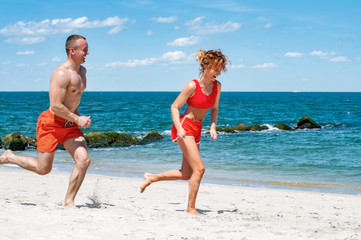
(58, 87)
(59, 82)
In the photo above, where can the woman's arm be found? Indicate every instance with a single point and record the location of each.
(186, 93)
(214, 113)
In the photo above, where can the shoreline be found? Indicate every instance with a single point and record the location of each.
(247, 183)
(113, 208)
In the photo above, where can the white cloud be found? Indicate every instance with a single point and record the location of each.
(56, 59)
(132, 63)
(318, 53)
(25, 41)
(322, 55)
(149, 33)
(65, 25)
(339, 59)
(164, 19)
(6, 62)
(268, 25)
(196, 25)
(115, 30)
(184, 42)
(294, 54)
(173, 56)
(27, 52)
(21, 65)
(358, 59)
(168, 58)
(237, 66)
(305, 79)
(232, 6)
(266, 66)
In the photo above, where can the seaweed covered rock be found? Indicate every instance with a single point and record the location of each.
(60, 147)
(152, 136)
(256, 127)
(264, 127)
(121, 139)
(96, 140)
(15, 141)
(229, 130)
(306, 122)
(31, 142)
(111, 136)
(242, 127)
(283, 126)
(218, 129)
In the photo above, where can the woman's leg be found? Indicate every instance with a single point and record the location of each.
(183, 174)
(191, 152)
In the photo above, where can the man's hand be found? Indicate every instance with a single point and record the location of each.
(84, 122)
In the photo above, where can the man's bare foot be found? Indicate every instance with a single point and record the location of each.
(4, 158)
(147, 182)
(193, 211)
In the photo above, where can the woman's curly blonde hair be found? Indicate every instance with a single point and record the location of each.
(211, 59)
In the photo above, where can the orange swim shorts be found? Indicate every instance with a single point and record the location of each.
(192, 128)
(52, 130)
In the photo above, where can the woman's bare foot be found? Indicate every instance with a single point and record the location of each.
(193, 211)
(147, 182)
(70, 206)
(4, 158)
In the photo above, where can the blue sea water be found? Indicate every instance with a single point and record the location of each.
(325, 160)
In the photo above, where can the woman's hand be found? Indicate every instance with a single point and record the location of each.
(213, 133)
(181, 133)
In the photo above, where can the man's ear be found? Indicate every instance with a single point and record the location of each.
(71, 51)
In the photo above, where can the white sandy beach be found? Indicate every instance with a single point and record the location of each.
(113, 208)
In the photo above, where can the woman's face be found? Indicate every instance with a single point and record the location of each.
(212, 73)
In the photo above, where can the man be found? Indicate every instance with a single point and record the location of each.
(61, 122)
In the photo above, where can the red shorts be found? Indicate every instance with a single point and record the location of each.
(52, 130)
(192, 128)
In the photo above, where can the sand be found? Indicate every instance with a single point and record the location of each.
(113, 208)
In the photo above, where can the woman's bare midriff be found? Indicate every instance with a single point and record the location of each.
(195, 114)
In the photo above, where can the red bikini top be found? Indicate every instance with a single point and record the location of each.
(199, 100)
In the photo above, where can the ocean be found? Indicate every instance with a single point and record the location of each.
(322, 160)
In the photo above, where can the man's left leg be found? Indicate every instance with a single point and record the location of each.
(78, 150)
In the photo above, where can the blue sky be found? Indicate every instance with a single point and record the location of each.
(148, 45)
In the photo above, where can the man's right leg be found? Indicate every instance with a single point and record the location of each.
(42, 165)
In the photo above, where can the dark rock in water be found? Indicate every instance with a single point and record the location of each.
(219, 129)
(114, 139)
(1, 143)
(111, 136)
(264, 127)
(15, 142)
(60, 147)
(229, 130)
(242, 127)
(307, 122)
(123, 139)
(31, 142)
(283, 127)
(152, 136)
(256, 127)
(96, 140)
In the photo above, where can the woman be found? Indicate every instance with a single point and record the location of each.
(200, 94)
